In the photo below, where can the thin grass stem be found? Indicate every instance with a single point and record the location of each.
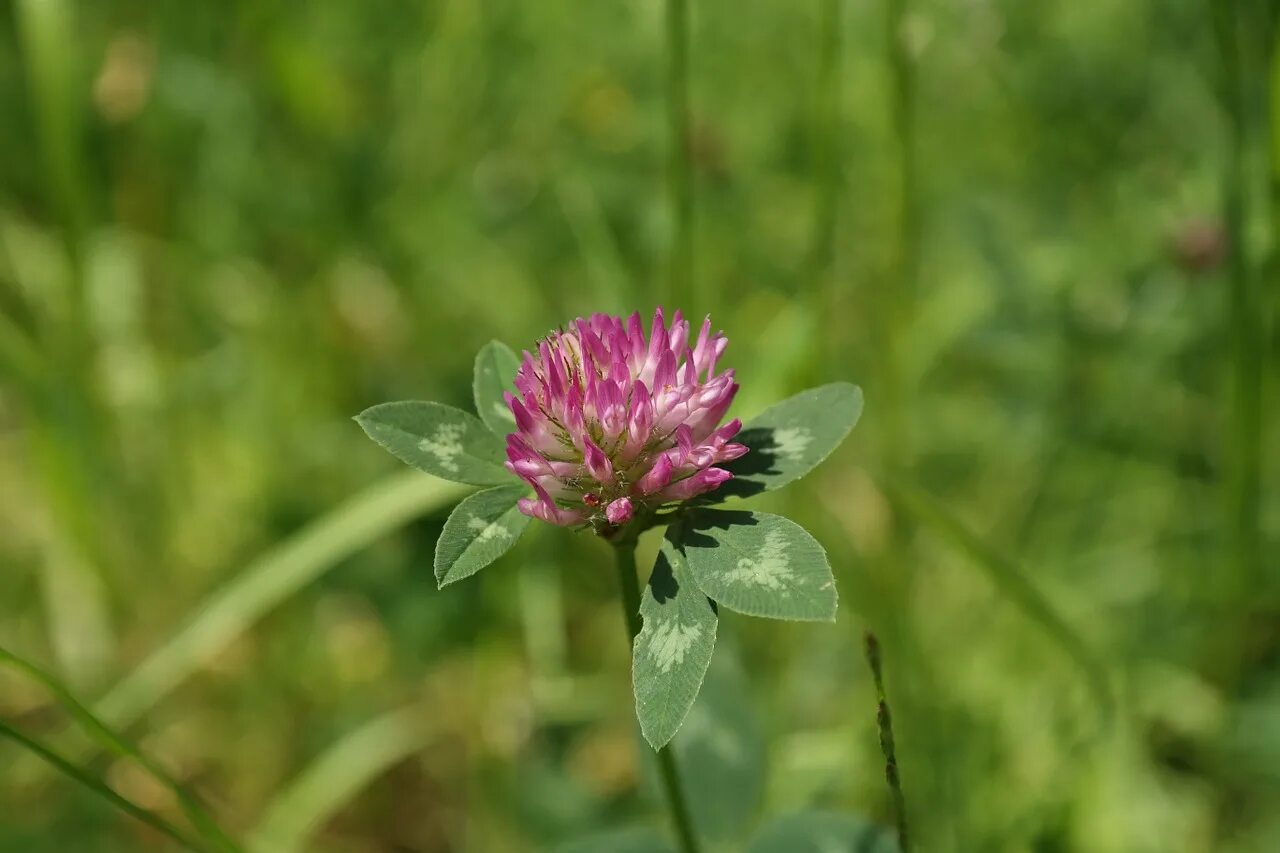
(104, 735)
(96, 786)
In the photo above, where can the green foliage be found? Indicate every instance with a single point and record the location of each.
(1014, 583)
(101, 789)
(754, 563)
(494, 373)
(790, 438)
(479, 530)
(673, 650)
(296, 561)
(721, 752)
(105, 737)
(438, 439)
(759, 564)
(821, 832)
(336, 776)
(639, 840)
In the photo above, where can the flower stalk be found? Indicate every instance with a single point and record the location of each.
(624, 552)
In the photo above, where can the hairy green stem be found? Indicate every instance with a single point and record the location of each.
(625, 555)
(884, 720)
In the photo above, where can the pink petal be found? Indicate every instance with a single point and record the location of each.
(619, 511)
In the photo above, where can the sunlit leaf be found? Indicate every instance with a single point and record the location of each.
(759, 564)
(790, 438)
(438, 439)
(495, 372)
(479, 530)
(672, 652)
(822, 832)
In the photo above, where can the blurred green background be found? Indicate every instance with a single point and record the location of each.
(1040, 235)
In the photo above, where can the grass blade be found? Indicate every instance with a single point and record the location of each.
(271, 579)
(336, 776)
(107, 738)
(65, 767)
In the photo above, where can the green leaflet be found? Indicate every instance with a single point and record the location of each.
(790, 438)
(479, 530)
(495, 372)
(438, 439)
(820, 832)
(759, 564)
(671, 654)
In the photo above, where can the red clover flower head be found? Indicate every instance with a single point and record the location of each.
(608, 423)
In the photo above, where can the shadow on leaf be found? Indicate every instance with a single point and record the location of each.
(662, 581)
(762, 461)
(714, 519)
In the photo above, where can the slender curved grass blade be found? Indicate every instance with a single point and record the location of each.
(107, 738)
(97, 787)
(77, 614)
(271, 579)
(495, 372)
(1012, 582)
(336, 776)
